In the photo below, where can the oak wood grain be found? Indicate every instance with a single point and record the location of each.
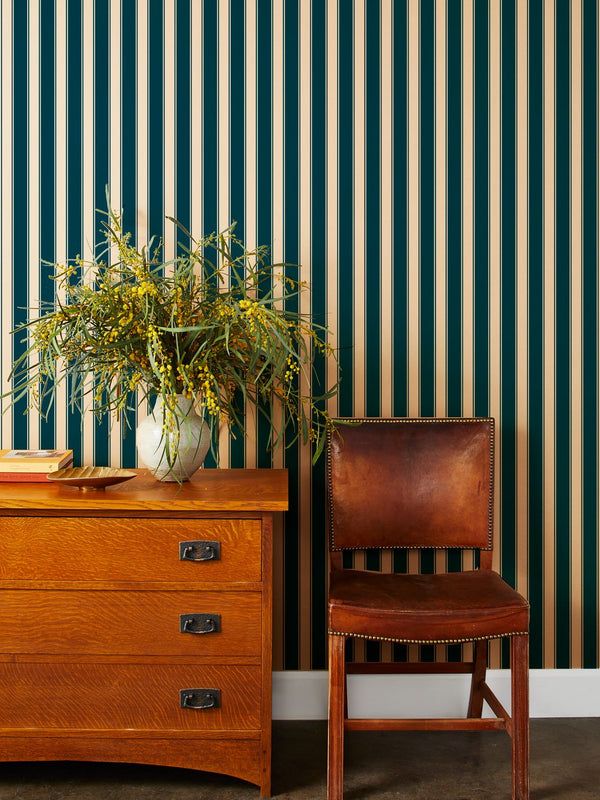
(135, 623)
(92, 659)
(107, 696)
(230, 757)
(223, 490)
(86, 548)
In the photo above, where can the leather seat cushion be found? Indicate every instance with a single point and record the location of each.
(456, 606)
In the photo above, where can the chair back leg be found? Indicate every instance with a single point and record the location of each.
(478, 679)
(337, 693)
(519, 664)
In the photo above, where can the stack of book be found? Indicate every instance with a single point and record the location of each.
(32, 466)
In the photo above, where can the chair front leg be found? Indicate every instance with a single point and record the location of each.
(477, 679)
(519, 664)
(337, 692)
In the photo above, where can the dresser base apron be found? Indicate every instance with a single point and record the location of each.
(240, 758)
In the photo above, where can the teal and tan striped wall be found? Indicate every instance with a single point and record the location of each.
(434, 168)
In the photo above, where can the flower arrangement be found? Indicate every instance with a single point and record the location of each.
(213, 325)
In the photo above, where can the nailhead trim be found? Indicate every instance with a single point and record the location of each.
(428, 641)
(428, 420)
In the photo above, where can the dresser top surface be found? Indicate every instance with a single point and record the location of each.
(218, 490)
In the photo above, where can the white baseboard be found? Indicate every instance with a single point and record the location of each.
(553, 693)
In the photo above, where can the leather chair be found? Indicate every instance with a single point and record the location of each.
(421, 483)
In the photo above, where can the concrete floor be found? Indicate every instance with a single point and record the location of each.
(429, 766)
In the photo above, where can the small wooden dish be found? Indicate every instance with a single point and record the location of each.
(90, 478)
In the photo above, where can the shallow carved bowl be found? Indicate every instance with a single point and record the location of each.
(90, 478)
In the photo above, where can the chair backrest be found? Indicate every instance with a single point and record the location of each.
(411, 483)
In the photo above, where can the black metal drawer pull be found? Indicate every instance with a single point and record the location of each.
(200, 551)
(200, 699)
(200, 623)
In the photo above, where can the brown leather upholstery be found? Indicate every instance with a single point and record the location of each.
(411, 483)
(421, 483)
(423, 608)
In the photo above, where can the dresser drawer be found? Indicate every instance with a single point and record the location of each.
(118, 549)
(135, 623)
(117, 697)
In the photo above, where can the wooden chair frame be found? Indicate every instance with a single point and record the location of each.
(516, 725)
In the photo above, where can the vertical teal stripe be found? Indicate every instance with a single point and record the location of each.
(318, 240)
(47, 211)
(563, 334)
(155, 120)
(210, 133)
(373, 241)
(129, 177)
(346, 219)
(264, 171)
(481, 300)
(102, 24)
(182, 120)
(535, 324)
(237, 167)
(291, 158)
(20, 199)
(508, 346)
(427, 238)
(346, 205)
(454, 252)
(74, 179)
(590, 334)
(400, 187)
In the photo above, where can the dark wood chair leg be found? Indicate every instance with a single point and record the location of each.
(519, 664)
(337, 692)
(477, 679)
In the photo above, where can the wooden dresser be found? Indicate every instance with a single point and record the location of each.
(135, 623)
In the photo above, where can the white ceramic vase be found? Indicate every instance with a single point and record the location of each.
(190, 442)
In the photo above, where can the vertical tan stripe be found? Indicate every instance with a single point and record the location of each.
(169, 131)
(34, 183)
(142, 140)
(495, 88)
(413, 208)
(576, 334)
(386, 207)
(468, 154)
(250, 185)
(60, 180)
(87, 199)
(522, 268)
(6, 210)
(332, 194)
(440, 240)
(196, 131)
(305, 272)
(277, 65)
(359, 238)
(115, 165)
(549, 338)
(223, 159)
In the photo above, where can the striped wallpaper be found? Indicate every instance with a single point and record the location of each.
(432, 165)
